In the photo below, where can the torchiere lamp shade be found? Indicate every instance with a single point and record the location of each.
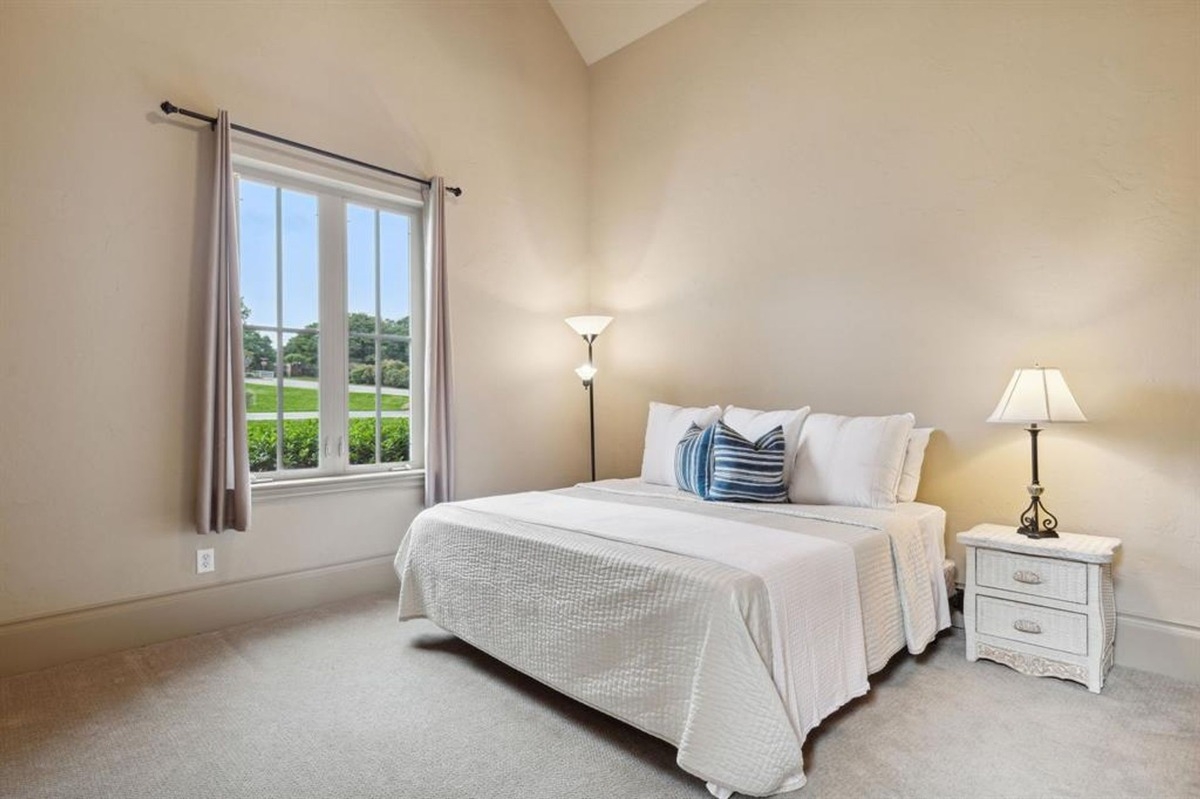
(588, 325)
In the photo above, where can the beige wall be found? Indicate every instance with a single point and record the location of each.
(863, 207)
(102, 211)
(875, 208)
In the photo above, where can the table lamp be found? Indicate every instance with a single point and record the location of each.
(1037, 396)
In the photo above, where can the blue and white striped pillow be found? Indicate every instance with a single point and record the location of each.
(693, 459)
(745, 471)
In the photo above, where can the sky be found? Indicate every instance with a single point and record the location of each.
(256, 234)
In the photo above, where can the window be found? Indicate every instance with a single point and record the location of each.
(329, 271)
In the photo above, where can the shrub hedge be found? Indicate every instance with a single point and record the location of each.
(393, 374)
(301, 447)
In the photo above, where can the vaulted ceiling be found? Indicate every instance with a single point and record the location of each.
(601, 27)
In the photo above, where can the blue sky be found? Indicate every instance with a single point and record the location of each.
(256, 232)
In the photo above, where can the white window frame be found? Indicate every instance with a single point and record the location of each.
(335, 187)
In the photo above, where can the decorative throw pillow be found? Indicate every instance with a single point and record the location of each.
(693, 460)
(665, 425)
(850, 460)
(745, 471)
(751, 424)
(914, 458)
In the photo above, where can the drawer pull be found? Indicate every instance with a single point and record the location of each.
(1032, 578)
(1027, 626)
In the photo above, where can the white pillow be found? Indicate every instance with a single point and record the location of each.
(910, 479)
(751, 425)
(850, 460)
(665, 425)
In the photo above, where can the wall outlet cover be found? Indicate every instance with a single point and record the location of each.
(206, 561)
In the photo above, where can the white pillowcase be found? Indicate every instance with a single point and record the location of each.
(850, 460)
(752, 425)
(665, 425)
(910, 479)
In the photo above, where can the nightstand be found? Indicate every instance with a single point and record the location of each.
(1042, 606)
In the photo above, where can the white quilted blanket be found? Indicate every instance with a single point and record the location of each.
(729, 639)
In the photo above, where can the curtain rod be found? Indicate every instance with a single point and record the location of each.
(170, 108)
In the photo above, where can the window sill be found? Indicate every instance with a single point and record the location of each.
(336, 484)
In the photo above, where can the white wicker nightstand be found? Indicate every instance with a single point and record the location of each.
(1042, 606)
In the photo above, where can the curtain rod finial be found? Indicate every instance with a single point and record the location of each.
(168, 107)
(455, 190)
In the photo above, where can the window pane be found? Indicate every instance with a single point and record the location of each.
(393, 439)
(360, 267)
(300, 257)
(393, 362)
(301, 441)
(393, 268)
(301, 364)
(261, 438)
(361, 400)
(262, 399)
(301, 402)
(393, 400)
(256, 249)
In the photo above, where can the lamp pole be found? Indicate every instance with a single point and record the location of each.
(589, 327)
(589, 385)
(1031, 525)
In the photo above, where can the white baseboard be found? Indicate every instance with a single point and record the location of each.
(1159, 646)
(1142, 643)
(1148, 644)
(74, 635)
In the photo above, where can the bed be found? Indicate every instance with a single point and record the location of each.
(728, 630)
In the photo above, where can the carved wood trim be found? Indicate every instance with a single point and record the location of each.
(1032, 664)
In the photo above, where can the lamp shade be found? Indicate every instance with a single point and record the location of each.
(586, 372)
(588, 325)
(1039, 394)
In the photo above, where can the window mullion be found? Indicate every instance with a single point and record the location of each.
(378, 350)
(333, 404)
(279, 405)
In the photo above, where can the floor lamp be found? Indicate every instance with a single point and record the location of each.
(1033, 396)
(589, 327)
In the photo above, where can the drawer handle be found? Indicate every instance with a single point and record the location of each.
(1032, 578)
(1027, 626)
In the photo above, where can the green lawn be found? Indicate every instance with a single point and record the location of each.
(261, 399)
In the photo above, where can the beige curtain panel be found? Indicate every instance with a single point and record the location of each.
(439, 430)
(223, 492)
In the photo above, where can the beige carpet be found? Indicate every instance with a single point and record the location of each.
(346, 702)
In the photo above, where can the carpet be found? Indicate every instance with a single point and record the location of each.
(344, 701)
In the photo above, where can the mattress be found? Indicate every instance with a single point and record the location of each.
(704, 624)
(883, 620)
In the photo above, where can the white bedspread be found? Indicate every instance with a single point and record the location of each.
(730, 640)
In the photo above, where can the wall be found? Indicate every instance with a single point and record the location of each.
(882, 207)
(103, 211)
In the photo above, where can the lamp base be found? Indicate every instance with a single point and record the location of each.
(1036, 521)
(1036, 533)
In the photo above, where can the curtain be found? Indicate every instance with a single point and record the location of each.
(439, 438)
(223, 491)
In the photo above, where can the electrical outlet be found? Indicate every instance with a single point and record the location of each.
(206, 561)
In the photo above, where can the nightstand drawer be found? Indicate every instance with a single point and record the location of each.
(1057, 579)
(1030, 624)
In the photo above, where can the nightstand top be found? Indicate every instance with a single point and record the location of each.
(1072, 546)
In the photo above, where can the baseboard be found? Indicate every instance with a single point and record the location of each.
(1142, 643)
(74, 635)
(1159, 646)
